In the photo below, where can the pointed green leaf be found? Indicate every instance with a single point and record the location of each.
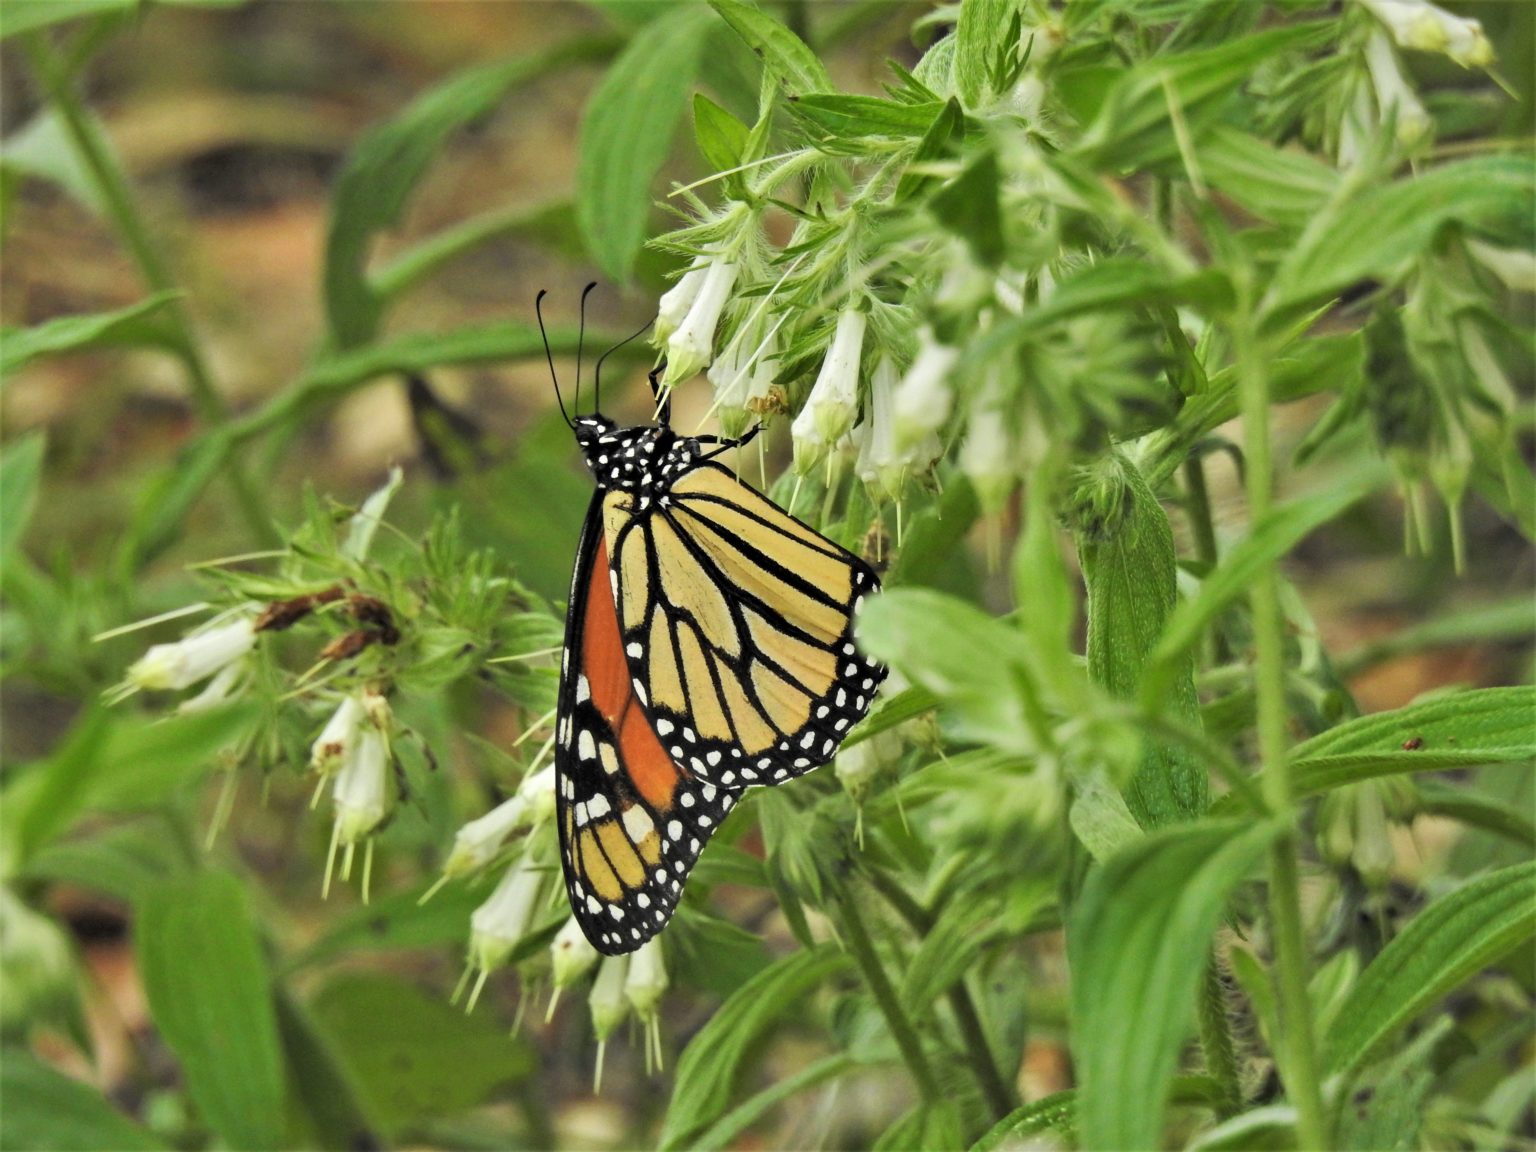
(1137, 941)
(134, 325)
(707, 1071)
(21, 467)
(785, 56)
(206, 979)
(1444, 945)
(720, 136)
(627, 132)
(979, 34)
(47, 1111)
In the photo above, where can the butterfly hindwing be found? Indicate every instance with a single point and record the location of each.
(736, 622)
(632, 821)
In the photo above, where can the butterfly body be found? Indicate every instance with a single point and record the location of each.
(708, 648)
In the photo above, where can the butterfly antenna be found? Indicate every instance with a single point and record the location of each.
(581, 339)
(538, 310)
(597, 370)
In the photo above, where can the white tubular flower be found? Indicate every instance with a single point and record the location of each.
(571, 955)
(225, 685)
(646, 981)
(1393, 92)
(1425, 27)
(608, 1006)
(882, 465)
(475, 845)
(363, 793)
(675, 301)
(741, 376)
(692, 347)
(193, 658)
(1514, 266)
(829, 409)
(987, 458)
(538, 793)
(920, 405)
(338, 738)
(499, 925)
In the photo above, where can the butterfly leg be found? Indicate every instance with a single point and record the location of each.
(727, 445)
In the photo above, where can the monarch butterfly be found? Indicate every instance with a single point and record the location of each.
(708, 648)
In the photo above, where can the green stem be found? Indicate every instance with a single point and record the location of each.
(1216, 1042)
(856, 935)
(1299, 1064)
(999, 1095)
(94, 152)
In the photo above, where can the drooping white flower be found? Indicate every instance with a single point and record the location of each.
(475, 844)
(1427, 27)
(497, 926)
(883, 465)
(834, 398)
(571, 955)
(193, 658)
(675, 301)
(225, 685)
(987, 457)
(537, 791)
(609, 1006)
(1393, 93)
(338, 738)
(691, 347)
(921, 403)
(742, 377)
(644, 986)
(363, 792)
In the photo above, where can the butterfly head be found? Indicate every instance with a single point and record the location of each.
(643, 460)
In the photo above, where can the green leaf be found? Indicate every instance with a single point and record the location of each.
(29, 15)
(1390, 1114)
(957, 652)
(125, 863)
(209, 991)
(124, 327)
(1486, 726)
(968, 207)
(1134, 126)
(1274, 537)
(980, 31)
(1056, 1113)
(1283, 185)
(842, 117)
(722, 139)
(1137, 941)
(411, 1055)
(1126, 547)
(785, 56)
(1477, 809)
(947, 128)
(384, 167)
(1377, 231)
(398, 922)
(321, 1086)
(47, 1111)
(21, 467)
(42, 149)
(728, 1130)
(627, 132)
(1444, 945)
(708, 1068)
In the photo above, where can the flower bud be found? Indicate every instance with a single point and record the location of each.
(365, 522)
(1393, 92)
(193, 658)
(692, 346)
(538, 793)
(1426, 27)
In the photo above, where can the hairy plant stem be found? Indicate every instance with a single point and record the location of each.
(1000, 1097)
(1299, 1049)
(1216, 1041)
(856, 936)
(86, 137)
